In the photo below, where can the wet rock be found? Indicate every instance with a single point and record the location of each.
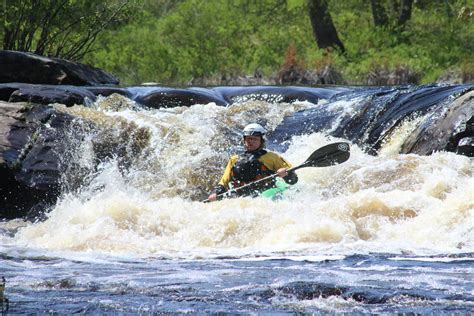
(6, 90)
(30, 68)
(307, 290)
(466, 145)
(41, 152)
(444, 114)
(168, 97)
(107, 91)
(29, 156)
(448, 128)
(311, 290)
(47, 94)
(276, 94)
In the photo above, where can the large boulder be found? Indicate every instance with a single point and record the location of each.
(447, 128)
(41, 152)
(64, 94)
(29, 156)
(30, 68)
(47, 94)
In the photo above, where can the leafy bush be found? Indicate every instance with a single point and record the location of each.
(175, 42)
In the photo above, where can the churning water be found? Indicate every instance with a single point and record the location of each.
(377, 234)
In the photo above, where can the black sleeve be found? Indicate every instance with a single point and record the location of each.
(219, 189)
(291, 178)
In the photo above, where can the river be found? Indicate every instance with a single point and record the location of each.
(384, 234)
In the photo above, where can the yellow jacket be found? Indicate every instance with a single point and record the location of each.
(270, 160)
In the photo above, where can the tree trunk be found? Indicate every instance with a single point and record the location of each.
(405, 12)
(378, 13)
(401, 12)
(323, 28)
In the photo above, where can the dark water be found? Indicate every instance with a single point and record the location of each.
(370, 283)
(385, 234)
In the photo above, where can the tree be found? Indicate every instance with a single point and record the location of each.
(401, 13)
(378, 13)
(323, 27)
(405, 12)
(58, 28)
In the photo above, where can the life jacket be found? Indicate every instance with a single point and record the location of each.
(249, 169)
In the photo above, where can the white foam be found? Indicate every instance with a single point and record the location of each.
(391, 203)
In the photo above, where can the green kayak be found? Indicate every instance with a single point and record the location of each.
(276, 192)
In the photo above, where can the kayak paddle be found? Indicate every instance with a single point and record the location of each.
(325, 156)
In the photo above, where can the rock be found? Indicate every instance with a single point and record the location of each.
(107, 91)
(41, 153)
(276, 94)
(29, 156)
(375, 114)
(382, 76)
(256, 79)
(6, 91)
(466, 146)
(169, 97)
(451, 76)
(47, 94)
(30, 68)
(248, 80)
(451, 130)
(445, 129)
(295, 75)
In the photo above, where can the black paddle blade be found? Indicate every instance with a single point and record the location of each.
(329, 155)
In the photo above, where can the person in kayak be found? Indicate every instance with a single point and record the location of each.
(256, 163)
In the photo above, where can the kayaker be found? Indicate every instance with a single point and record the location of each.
(256, 163)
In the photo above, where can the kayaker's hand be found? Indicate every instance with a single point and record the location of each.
(212, 197)
(282, 172)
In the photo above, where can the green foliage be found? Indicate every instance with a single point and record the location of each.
(433, 41)
(174, 42)
(58, 28)
(199, 39)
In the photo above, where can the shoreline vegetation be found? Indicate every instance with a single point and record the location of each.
(242, 42)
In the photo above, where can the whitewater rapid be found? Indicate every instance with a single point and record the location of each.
(391, 203)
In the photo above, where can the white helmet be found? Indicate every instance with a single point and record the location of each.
(254, 129)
